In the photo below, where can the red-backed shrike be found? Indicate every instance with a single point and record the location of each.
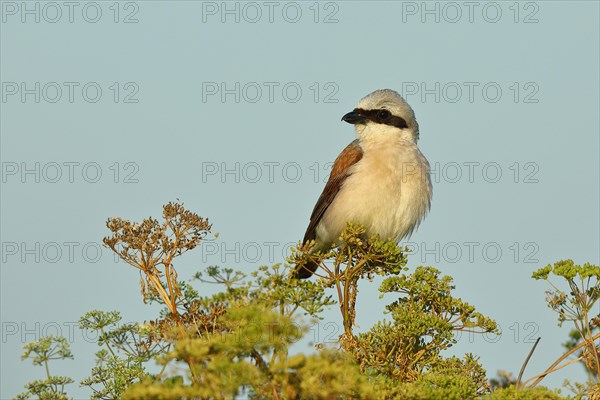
(381, 180)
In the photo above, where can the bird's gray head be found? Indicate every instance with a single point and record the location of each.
(383, 113)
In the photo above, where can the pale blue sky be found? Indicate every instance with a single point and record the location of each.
(515, 98)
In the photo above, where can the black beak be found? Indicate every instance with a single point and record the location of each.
(354, 117)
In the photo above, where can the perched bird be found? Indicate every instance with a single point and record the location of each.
(380, 180)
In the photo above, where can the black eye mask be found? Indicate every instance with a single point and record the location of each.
(382, 116)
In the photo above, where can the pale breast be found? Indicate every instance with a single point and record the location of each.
(389, 192)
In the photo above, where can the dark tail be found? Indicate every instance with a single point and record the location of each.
(305, 271)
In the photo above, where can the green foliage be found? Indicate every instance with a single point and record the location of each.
(246, 360)
(423, 323)
(112, 375)
(236, 341)
(46, 349)
(243, 348)
(574, 304)
(274, 288)
(512, 393)
(41, 352)
(221, 364)
(583, 294)
(451, 378)
(51, 388)
(120, 363)
(342, 267)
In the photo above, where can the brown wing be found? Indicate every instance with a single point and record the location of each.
(339, 172)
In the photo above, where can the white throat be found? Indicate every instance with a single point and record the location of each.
(380, 133)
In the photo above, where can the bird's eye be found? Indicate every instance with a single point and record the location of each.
(383, 114)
